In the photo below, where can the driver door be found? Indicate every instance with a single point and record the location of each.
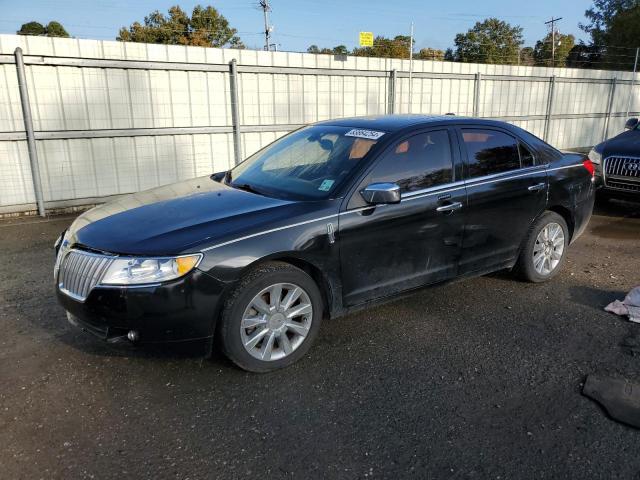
(386, 249)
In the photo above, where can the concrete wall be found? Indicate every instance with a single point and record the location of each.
(90, 118)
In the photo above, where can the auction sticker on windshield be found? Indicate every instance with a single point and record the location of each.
(361, 133)
(326, 185)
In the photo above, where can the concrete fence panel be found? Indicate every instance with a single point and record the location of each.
(111, 118)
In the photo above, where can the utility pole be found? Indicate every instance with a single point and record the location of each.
(264, 4)
(552, 22)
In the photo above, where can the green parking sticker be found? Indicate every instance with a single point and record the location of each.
(326, 185)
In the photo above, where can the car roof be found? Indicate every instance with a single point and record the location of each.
(394, 123)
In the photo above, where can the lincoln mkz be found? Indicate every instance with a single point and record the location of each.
(327, 219)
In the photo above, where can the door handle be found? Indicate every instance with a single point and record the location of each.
(451, 207)
(537, 187)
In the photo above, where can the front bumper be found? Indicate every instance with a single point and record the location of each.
(618, 187)
(183, 309)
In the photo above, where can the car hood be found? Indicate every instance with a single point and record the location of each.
(625, 144)
(176, 218)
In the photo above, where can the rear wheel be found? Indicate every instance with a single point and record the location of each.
(545, 248)
(271, 318)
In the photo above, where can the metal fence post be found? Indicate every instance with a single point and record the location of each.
(607, 120)
(633, 81)
(476, 94)
(28, 127)
(391, 96)
(235, 111)
(547, 121)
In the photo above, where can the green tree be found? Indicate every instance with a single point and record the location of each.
(340, 50)
(601, 15)
(543, 51)
(490, 41)
(526, 56)
(624, 30)
(55, 29)
(398, 47)
(32, 28)
(206, 27)
(584, 56)
(327, 51)
(430, 54)
(449, 55)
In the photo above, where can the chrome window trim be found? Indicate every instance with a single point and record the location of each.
(448, 187)
(565, 167)
(422, 191)
(506, 175)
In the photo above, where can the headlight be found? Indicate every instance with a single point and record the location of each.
(136, 271)
(595, 157)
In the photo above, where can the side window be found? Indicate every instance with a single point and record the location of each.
(417, 162)
(526, 157)
(490, 151)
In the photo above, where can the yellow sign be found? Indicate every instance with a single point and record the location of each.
(366, 39)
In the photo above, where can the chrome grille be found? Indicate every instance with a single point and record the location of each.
(631, 187)
(80, 272)
(618, 168)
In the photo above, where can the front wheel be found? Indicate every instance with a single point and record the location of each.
(544, 249)
(271, 318)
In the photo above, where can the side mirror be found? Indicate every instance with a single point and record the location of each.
(381, 193)
(631, 124)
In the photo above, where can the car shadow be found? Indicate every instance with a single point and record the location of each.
(594, 297)
(616, 207)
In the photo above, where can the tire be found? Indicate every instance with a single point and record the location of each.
(245, 317)
(533, 253)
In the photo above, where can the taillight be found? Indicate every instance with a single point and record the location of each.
(591, 168)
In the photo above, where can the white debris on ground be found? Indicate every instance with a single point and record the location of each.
(629, 306)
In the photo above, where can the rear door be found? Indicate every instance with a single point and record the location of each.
(386, 249)
(506, 189)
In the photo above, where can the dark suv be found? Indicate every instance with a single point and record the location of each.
(618, 163)
(324, 220)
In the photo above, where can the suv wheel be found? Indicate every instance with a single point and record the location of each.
(544, 249)
(271, 318)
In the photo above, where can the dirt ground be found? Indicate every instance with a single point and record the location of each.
(477, 379)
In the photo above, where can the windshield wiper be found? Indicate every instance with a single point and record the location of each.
(246, 187)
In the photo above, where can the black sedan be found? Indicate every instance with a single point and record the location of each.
(617, 163)
(327, 219)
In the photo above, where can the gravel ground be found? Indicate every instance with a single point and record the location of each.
(477, 379)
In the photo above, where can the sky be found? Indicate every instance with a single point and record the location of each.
(300, 23)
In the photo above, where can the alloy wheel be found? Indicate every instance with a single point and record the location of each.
(276, 321)
(548, 249)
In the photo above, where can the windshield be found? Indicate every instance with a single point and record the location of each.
(308, 164)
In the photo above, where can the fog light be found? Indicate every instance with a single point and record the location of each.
(133, 336)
